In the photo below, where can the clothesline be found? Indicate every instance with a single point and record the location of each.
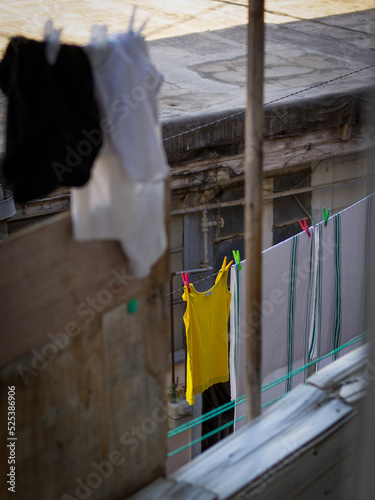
(193, 283)
(241, 399)
(84, 133)
(209, 434)
(238, 113)
(206, 277)
(295, 264)
(315, 297)
(231, 404)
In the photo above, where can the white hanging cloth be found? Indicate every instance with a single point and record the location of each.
(127, 85)
(124, 199)
(112, 206)
(315, 295)
(341, 290)
(283, 312)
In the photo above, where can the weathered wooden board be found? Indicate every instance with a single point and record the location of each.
(58, 201)
(52, 284)
(352, 364)
(60, 418)
(89, 375)
(173, 490)
(296, 421)
(305, 446)
(324, 469)
(91, 421)
(138, 425)
(281, 155)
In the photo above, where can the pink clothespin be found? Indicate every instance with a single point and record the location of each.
(305, 227)
(185, 279)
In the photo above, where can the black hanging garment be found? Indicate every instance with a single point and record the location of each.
(53, 122)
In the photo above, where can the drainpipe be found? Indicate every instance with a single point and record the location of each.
(7, 209)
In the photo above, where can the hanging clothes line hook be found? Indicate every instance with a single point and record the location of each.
(139, 30)
(98, 35)
(98, 40)
(305, 227)
(131, 22)
(52, 39)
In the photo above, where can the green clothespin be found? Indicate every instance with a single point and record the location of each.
(325, 216)
(133, 306)
(237, 259)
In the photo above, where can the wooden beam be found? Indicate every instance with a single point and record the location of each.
(253, 203)
(280, 155)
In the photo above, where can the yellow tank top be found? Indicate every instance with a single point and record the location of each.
(206, 324)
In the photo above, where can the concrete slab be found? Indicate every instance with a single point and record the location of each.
(207, 71)
(200, 46)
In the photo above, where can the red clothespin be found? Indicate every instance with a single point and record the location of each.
(185, 280)
(305, 227)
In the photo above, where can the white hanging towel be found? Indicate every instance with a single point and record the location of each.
(343, 250)
(283, 312)
(314, 299)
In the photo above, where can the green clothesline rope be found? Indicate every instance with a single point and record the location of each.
(209, 434)
(215, 431)
(274, 400)
(303, 368)
(265, 387)
(207, 416)
(242, 399)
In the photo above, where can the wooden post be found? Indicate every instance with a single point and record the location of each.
(253, 202)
